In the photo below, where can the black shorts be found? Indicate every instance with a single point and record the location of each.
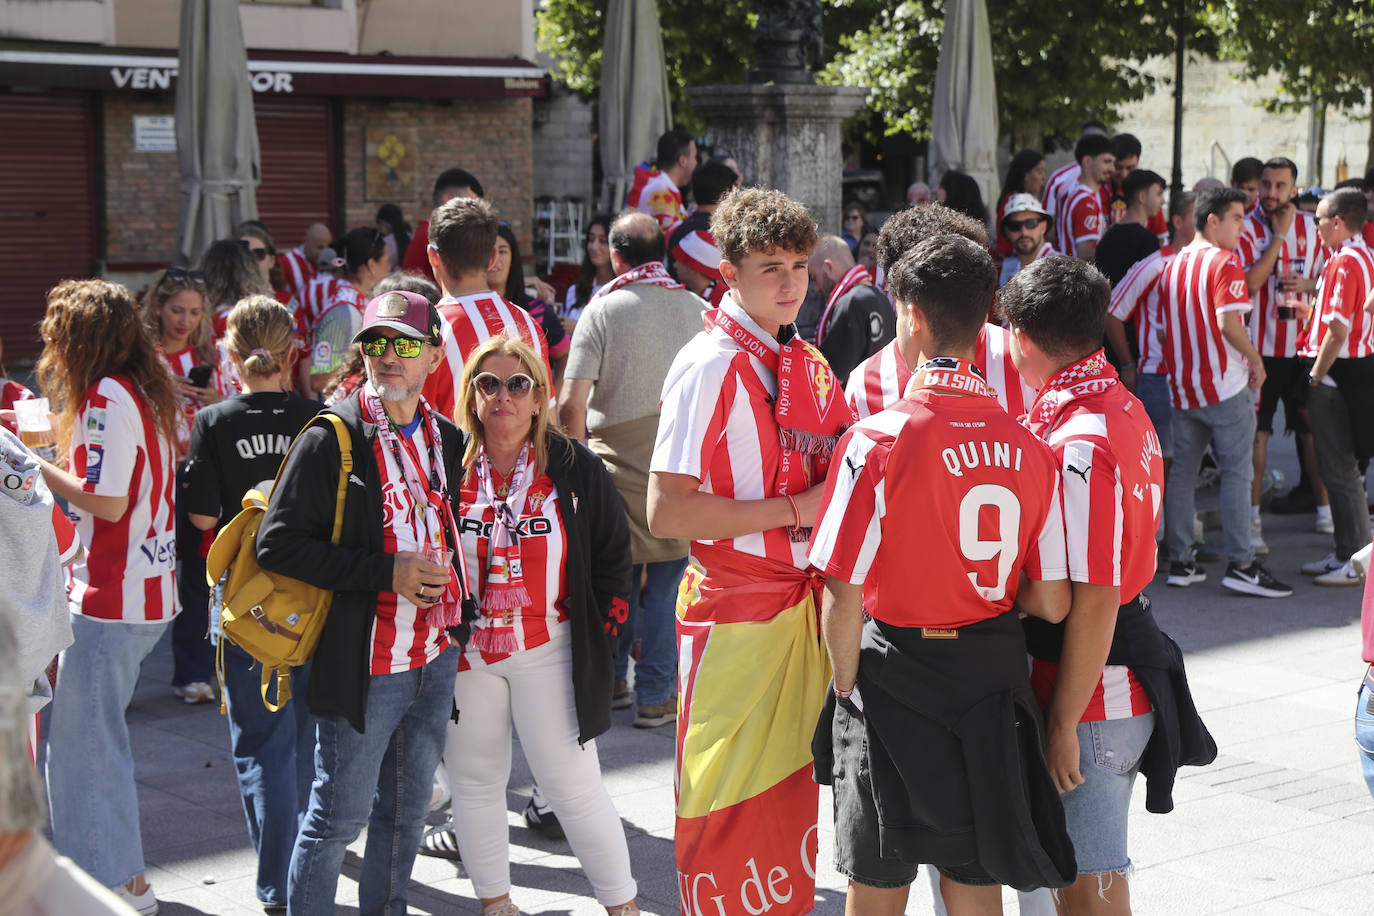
(858, 853)
(1285, 378)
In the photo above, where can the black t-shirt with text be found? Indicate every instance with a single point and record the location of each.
(236, 446)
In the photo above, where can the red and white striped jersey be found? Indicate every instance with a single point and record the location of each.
(297, 271)
(992, 356)
(1302, 254)
(1345, 283)
(1112, 479)
(879, 382)
(466, 323)
(1082, 219)
(716, 424)
(543, 559)
(68, 542)
(181, 363)
(129, 570)
(1200, 284)
(1061, 179)
(984, 507)
(654, 193)
(401, 640)
(1137, 296)
(322, 294)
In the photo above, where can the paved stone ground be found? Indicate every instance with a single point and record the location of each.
(1275, 826)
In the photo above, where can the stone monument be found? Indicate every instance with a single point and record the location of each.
(781, 127)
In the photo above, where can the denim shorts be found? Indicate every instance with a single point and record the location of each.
(1364, 732)
(1109, 755)
(858, 852)
(1153, 392)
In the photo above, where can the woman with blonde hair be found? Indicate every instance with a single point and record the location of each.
(177, 315)
(116, 422)
(236, 446)
(548, 546)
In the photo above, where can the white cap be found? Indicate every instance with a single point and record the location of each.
(1024, 203)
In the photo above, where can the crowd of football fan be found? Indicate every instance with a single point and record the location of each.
(701, 482)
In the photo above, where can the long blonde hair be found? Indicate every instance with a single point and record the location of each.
(541, 428)
(261, 323)
(92, 330)
(167, 286)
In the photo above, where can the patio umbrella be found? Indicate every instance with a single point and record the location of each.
(634, 94)
(963, 123)
(217, 139)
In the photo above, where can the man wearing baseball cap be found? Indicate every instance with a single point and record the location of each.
(384, 668)
(1025, 224)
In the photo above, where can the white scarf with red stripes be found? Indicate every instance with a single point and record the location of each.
(650, 272)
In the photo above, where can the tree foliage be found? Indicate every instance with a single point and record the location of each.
(1322, 50)
(1057, 62)
(705, 42)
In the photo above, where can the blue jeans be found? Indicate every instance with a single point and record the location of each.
(654, 622)
(1229, 426)
(275, 761)
(381, 779)
(193, 658)
(1153, 391)
(1109, 755)
(1364, 734)
(90, 769)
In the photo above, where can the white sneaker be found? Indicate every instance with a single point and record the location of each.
(1346, 575)
(1257, 537)
(1325, 525)
(1321, 567)
(145, 903)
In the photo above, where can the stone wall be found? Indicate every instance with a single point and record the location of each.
(563, 147)
(491, 138)
(1224, 120)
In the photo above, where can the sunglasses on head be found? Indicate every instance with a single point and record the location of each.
(262, 254)
(405, 347)
(518, 385)
(178, 273)
(1024, 224)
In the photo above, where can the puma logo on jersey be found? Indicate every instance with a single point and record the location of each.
(853, 468)
(1081, 472)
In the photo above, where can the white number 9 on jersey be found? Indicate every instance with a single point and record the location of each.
(1004, 548)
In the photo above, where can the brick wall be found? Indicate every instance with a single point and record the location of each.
(491, 138)
(142, 190)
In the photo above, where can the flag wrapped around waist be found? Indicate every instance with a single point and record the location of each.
(753, 680)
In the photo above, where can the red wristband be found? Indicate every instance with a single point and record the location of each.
(796, 515)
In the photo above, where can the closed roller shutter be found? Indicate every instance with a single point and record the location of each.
(47, 206)
(296, 137)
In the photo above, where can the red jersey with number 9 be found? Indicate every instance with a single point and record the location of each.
(977, 504)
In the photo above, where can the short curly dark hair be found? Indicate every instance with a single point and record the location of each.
(906, 229)
(752, 219)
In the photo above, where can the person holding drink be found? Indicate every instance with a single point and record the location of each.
(1282, 256)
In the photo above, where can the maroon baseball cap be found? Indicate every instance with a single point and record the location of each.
(404, 311)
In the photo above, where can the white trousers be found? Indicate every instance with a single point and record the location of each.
(533, 688)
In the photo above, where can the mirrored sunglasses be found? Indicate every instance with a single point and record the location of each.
(405, 347)
(518, 385)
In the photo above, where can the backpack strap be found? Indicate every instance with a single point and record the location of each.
(345, 468)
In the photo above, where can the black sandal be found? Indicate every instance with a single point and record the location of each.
(440, 842)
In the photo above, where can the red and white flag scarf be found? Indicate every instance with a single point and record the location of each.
(1089, 375)
(810, 409)
(856, 275)
(650, 272)
(503, 591)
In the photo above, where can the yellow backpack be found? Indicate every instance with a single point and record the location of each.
(274, 618)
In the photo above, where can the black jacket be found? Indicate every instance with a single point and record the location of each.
(955, 753)
(294, 540)
(1180, 738)
(861, 324)
(598, 570)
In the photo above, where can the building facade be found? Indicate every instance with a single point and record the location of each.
(356, 104)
